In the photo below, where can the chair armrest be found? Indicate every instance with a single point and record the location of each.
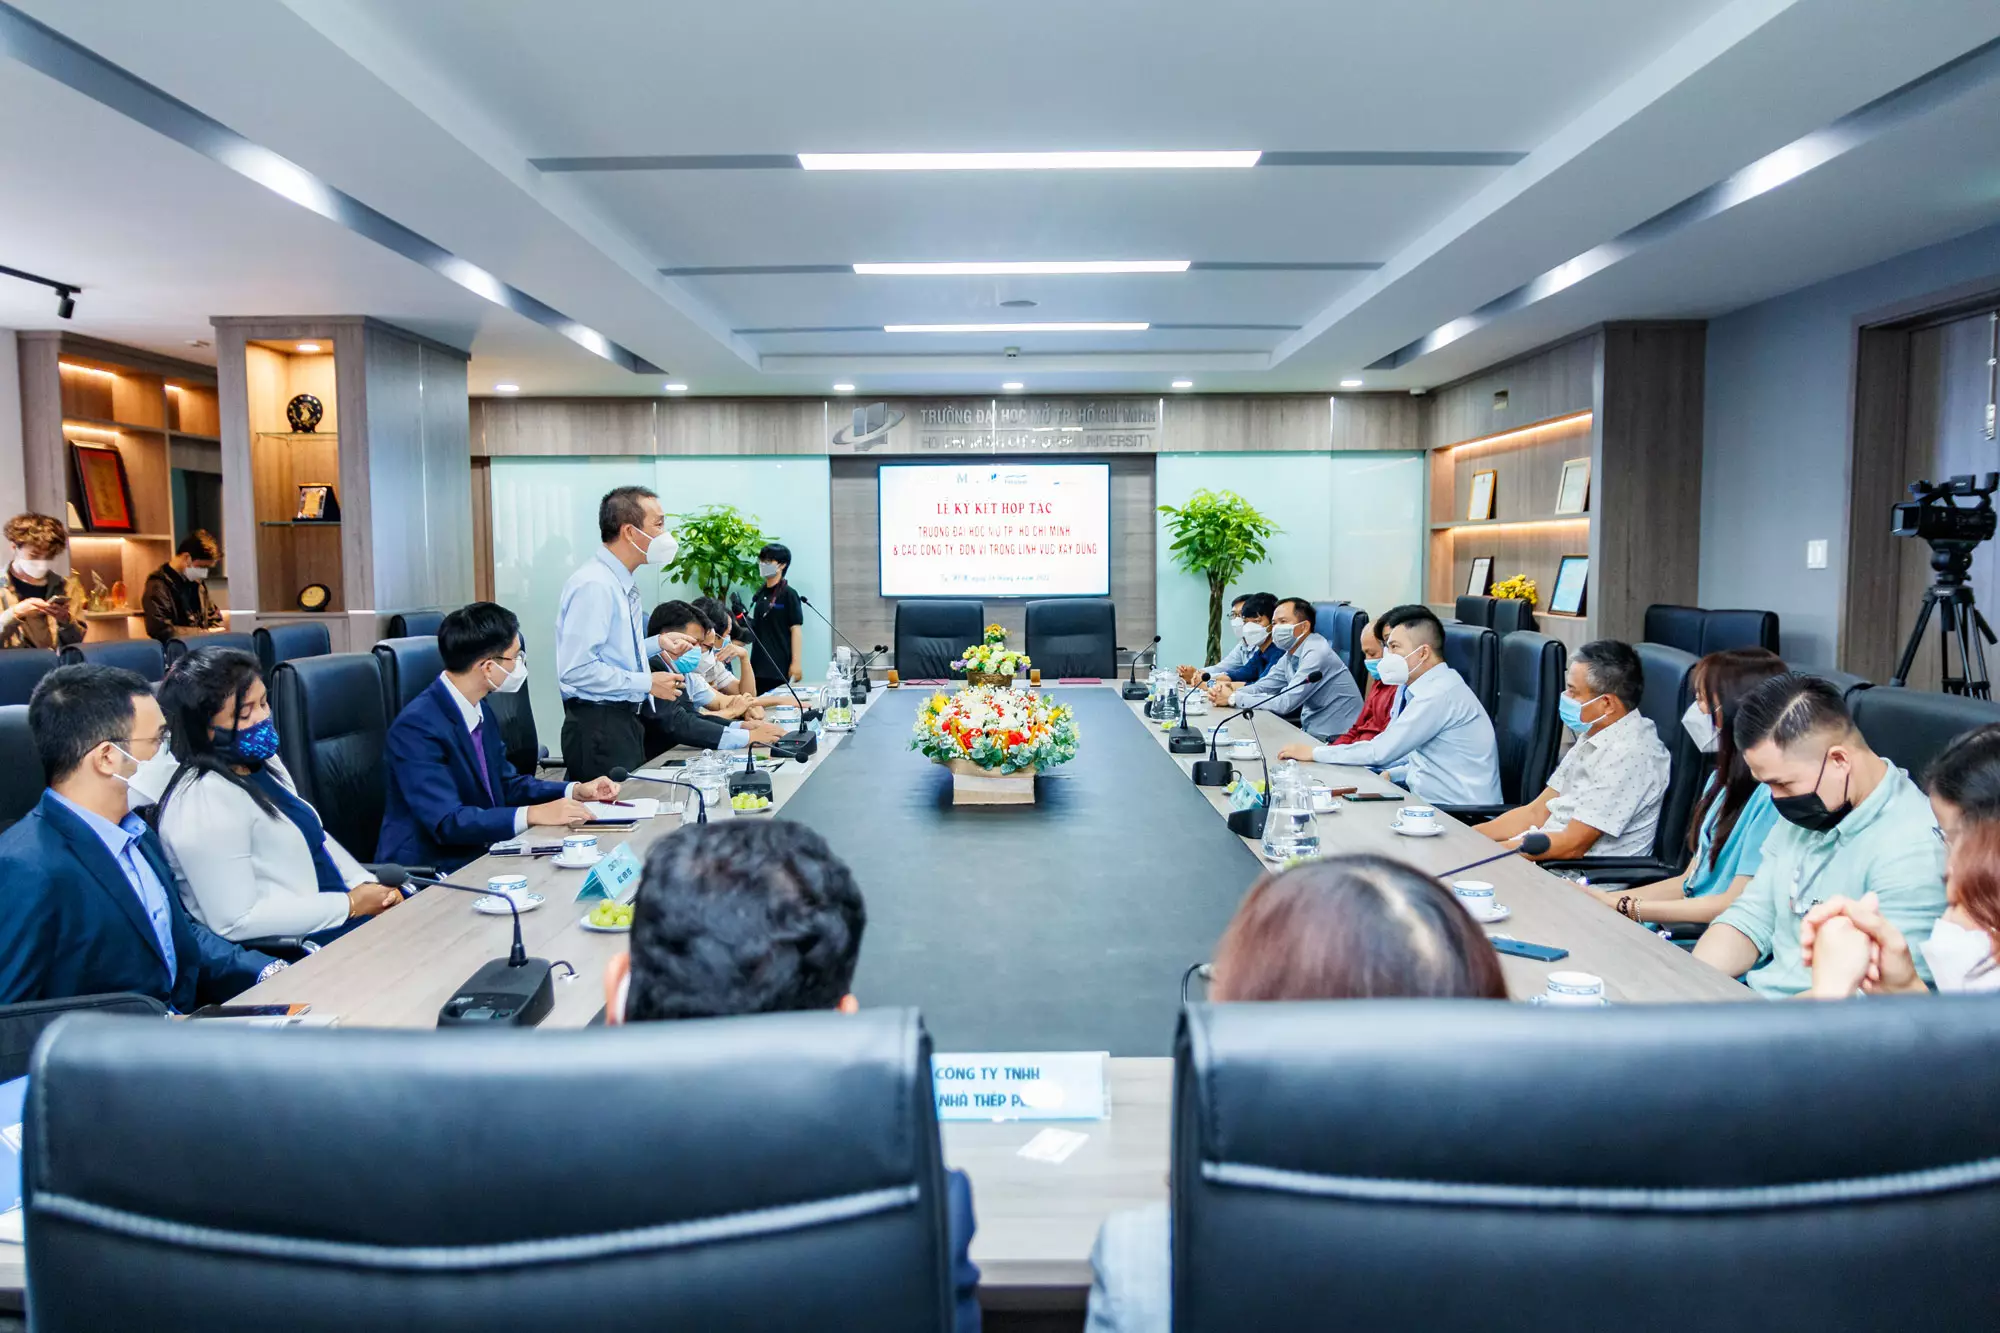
(375, 868)
(291, 948)
(1624, 871)
(1476, 814)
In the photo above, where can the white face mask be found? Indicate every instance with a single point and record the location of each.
(33, 570)
(1960, 958)
(149, 782)
(1701, 727)
(1252, 633)
(768, 569)
(199, 573)
(514, 679)
(1394, 669)
(660, 551)
(1284, 633)
(1236, 626)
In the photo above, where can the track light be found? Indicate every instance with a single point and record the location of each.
(65, 291)
(65, 302)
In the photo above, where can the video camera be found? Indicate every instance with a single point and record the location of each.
(1933, 514)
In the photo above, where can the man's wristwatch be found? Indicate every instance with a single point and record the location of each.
(272, 969)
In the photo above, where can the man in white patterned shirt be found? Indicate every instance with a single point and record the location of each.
(1604, 797)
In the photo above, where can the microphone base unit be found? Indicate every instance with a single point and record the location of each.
(1186, 740)
(800, 744)
(1135, 690)
(755, 784)
(502, 995)
(1247, 823)
(1213, 773)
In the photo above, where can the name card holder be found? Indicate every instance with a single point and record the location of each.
(1021, 1085)
(615, 877)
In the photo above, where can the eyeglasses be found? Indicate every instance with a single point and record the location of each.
(164, 739)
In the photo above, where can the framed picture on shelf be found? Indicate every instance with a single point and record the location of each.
(105, 489)
(317, 504)
(1569, 595)
(1480, 581)
(1481, 507)
(1573, 493)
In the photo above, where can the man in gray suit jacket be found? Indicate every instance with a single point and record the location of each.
(1326, 708)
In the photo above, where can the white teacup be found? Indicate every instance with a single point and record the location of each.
(1476, 896)
(1574, 988)
(579, 847)
(1422, 818)
(1245, 748)
(509, 886)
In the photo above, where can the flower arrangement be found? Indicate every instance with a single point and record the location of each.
(991, 657)
(1520, 586)
(996, 728)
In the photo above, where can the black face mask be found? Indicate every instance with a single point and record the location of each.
(1808, 811)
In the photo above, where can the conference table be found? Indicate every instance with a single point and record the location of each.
(1066, 925)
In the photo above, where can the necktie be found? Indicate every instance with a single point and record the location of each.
(479, 759)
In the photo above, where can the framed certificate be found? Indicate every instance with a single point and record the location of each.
(1572, 577)
(105, 489)
(1573, 493)
(317, 505)
(1481, 507)
(1480, 581)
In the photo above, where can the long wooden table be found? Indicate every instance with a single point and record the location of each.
(1036, 1221)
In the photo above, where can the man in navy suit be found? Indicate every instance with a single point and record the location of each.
(88, 902)
(452, 793)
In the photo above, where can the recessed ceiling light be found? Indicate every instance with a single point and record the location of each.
(506, 388)
(1350, 384)
(677, 388)
(1085, 161)
(1183, 384)
(308, 347)
(978, 267)
(843, 388)
(1099, 327)
(1013, 386)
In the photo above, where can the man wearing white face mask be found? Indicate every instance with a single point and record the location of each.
(1327, 707)
(452, 792)
(601, 642)
(1236, 650)
(176, 596)
(39, 606)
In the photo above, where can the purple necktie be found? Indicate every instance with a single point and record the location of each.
(479, 758)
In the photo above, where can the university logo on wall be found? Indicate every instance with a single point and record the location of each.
(871, 425)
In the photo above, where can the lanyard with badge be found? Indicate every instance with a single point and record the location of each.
(1801, 894)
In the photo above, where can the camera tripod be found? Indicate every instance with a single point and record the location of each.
(1959, 619)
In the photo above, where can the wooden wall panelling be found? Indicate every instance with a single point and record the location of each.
(396, 526)
(1259, 423)
(563, 427)
(1528, 470)
(192, 410)
(45, 465)
(743, 426)
(1646, 547)
(357, 511)
(1553, 382)
(482, 529)
(1378, 421)
(239, 501)
(447, 477)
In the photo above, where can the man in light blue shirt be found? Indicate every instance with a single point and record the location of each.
(601, 643)
(1327, 707)
(1439, 743)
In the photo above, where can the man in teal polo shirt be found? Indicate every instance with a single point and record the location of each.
(1852, 823)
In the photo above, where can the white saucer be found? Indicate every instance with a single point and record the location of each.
(563, 863)
(494, 905)
(586, 923)
(1329, 806)
(1397, 825)
(1500, 912)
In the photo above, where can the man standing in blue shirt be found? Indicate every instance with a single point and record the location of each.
(601, 642)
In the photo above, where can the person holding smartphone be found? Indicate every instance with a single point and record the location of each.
(40, 606)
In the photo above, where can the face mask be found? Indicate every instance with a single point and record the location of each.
(1252, 634)
(514, 679)
(1701, 727)
(248, 745)
(767, 569)
(1572, 712)
(688, 662)
(1808, 811)
(148, 781)
(1957, 954)
(1373, 665)
(1284, 634)
(199, 573)
(34, 570)
(1236, 626)
(1393, 669)
(661, 550)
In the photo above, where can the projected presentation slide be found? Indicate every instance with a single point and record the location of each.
(995, 530)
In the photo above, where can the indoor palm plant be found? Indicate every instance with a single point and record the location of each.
(1218, 535)
(718, 549)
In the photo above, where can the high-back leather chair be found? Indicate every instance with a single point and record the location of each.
(22, 1024)
(1426, 1164)
(409, 624)
(1911, 727)
(1341, 624)
(20, 766)
(932, 631)
(1527, 724)
(1512, 615)
(776, 1171)
(1721, 630)
(178, 648)
(1846, 682)
(145, 656)
(1073, 636)
(408, 667)
(331, 734)
(518, 736)
(21, 669)
(1675, 626)
(1473, 651)
(1474, 610)
(284, 643)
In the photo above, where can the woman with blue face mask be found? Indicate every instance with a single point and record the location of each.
(252, 856)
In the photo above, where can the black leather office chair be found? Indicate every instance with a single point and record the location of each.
(1675, 626)
(331, 731)
(932, 632)
(518, 735)
(178, 648)
(409, 624)
(1527, 724)
(285, 643)
(1511, 615)
(20, 766)
(22, 1025)
(781, 1171)
(1910, 727)
(1341, 623)
(1738, 629)
(21, 669)
(1422, 1164)
(1474, 610)
(1846, 682)
(1473, 651)
(145, 656)
(1669, 690)
(408, 667)
(1073, 637)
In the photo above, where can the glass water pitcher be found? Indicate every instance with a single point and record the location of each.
(1291, 830)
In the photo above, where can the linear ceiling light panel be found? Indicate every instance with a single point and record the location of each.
(1017, 328)
(974, 268)
(1114, 161)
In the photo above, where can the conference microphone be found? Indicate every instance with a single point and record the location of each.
(1185, 739)
(858, 688)
(1133, 689)
(749, 780)
(515, 991)
(799, 744)
(1532, 844)
(622, 776)
(1216, 772)
(1250, 823)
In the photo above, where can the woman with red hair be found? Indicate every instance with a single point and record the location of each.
(1852, 948)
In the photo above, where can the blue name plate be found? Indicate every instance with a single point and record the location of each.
(615, 877)
(1021, 1085)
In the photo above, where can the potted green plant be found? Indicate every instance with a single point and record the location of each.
(1218, 535)
(718, 549)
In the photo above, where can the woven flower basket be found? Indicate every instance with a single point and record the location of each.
(988, 678)
(973, 785)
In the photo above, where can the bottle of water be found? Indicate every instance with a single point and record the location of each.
(837, 698)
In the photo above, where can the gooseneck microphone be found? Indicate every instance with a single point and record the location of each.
(1532, 844)
(799, 743)
(1133, 689)
(515, 991)
(858, 689)
(1216, 772)
(622, 776)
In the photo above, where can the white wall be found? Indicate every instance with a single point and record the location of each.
(13, 478)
